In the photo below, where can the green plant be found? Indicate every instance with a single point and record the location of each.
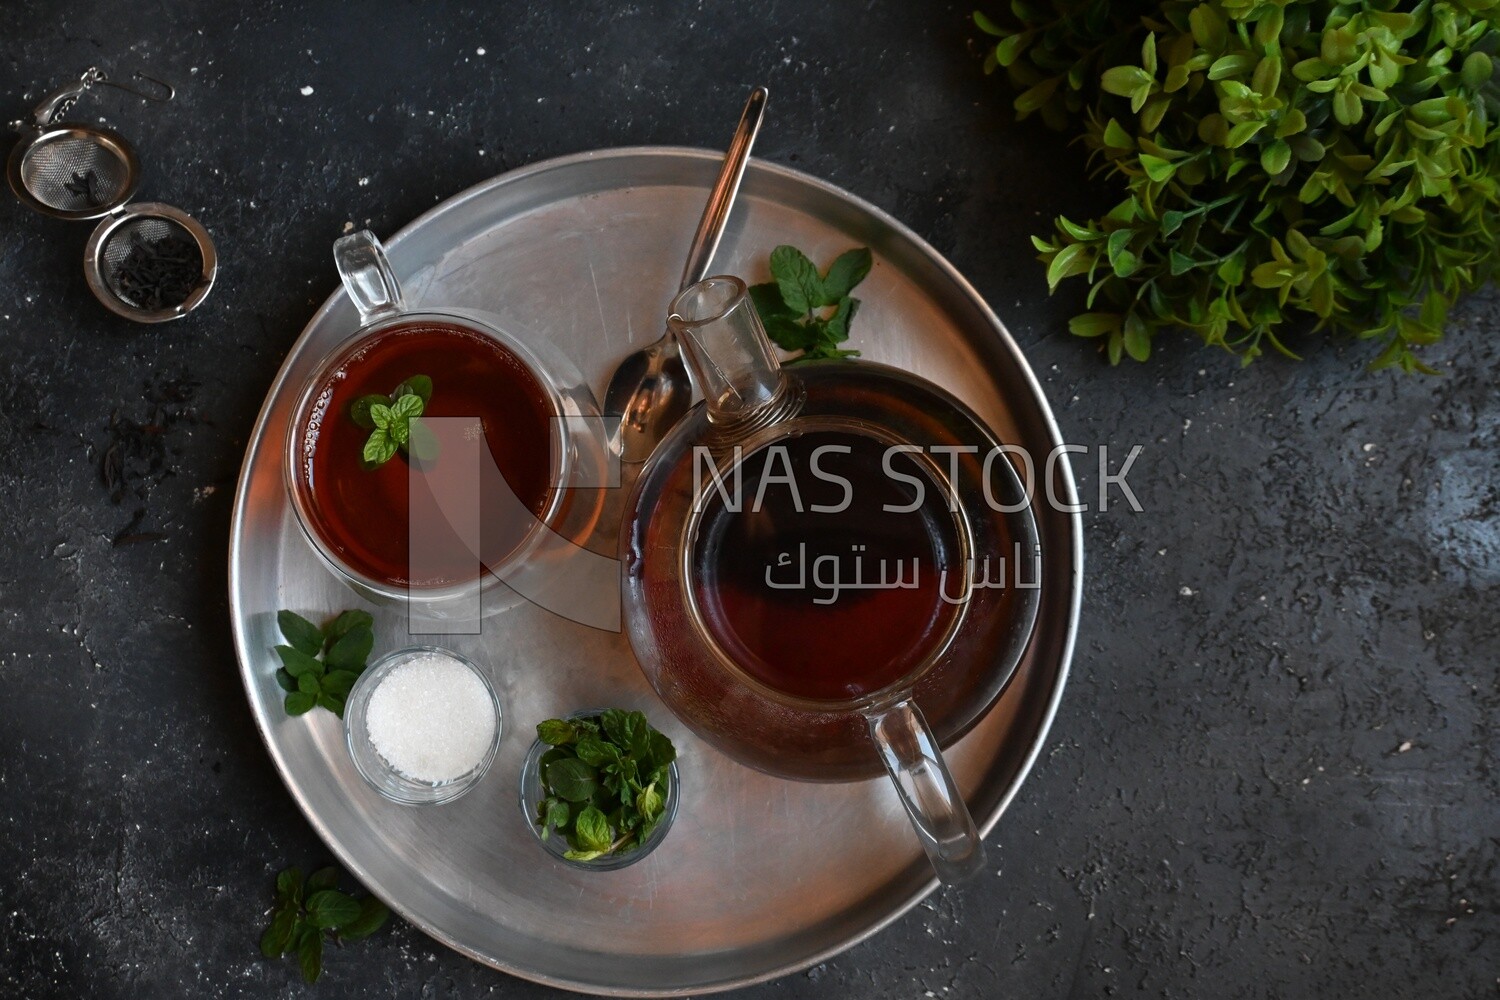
(803, 310)
(604, 781)
(344, 645)
(393, 424)
(1288, 163)
(306, 911)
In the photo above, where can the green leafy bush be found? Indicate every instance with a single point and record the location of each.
(1286, 164)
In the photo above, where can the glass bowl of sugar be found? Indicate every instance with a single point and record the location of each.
(422, 724)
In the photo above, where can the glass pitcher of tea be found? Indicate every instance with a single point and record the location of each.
(830, 569)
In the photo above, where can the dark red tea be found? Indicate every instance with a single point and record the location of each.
(363, 515)
(791, 595)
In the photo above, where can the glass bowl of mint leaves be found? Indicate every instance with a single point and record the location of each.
(600, 788)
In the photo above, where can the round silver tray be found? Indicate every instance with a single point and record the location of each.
(759, 877)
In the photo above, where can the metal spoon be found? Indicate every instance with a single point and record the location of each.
(651, 389)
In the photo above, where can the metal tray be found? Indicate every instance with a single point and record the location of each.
(759, 877)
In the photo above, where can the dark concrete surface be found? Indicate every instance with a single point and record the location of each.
(1273, 774)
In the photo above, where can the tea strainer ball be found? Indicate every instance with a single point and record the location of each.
(150, 264)
(147, 262)
(74, 171)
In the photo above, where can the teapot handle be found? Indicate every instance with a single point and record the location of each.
(931, 797)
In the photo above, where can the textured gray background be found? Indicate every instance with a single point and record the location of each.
(1273, 774)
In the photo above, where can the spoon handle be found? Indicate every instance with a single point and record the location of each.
(721, 199)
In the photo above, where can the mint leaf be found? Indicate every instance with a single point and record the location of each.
(287, 682)
(400, 430)
(330, 909)
(825, 353)
(768, 301)
(406, 407)
(837, 325)
(379, 448)
(662, 750)
(359, 410)
(796, 278)
(310, 954)
(341, 625)
(289, 886)
(596, 753)
(617, 726)
(553, 755)
(789, 335)
(848, 270)
(649, 802)
(298, 663)
(417, 385)
(372, 916)
(381, 415)
(351, 652)
(323, 878)
(301, 633)
(583, 855)
(592, 830)
(572, 779)
(556, 732)
(337, 683)
(299, 703)
(309, 684)
(831, 332)
(555, 816)
(278, 936)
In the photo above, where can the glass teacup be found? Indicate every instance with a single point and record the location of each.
(433, 459)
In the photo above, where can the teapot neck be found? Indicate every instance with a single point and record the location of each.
(730, 355)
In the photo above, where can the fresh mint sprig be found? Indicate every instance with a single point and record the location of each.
(344, 645)
(308, 910)
(392, 422)
(795, 306)
(605, 782)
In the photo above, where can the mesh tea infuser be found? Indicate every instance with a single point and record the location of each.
(147, 262)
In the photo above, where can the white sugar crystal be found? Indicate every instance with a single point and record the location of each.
(431, 718)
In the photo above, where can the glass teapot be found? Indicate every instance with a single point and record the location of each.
(802, 560)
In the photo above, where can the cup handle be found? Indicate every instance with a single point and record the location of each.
(367, 276)
(931, 797)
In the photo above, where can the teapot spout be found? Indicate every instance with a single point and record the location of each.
(729, 353)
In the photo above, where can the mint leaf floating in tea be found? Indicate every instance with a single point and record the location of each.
(795, 306)
(308, 910)
(309, 682)
(418, 385)
(359, 410)
(605, 782)
(392, 423)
